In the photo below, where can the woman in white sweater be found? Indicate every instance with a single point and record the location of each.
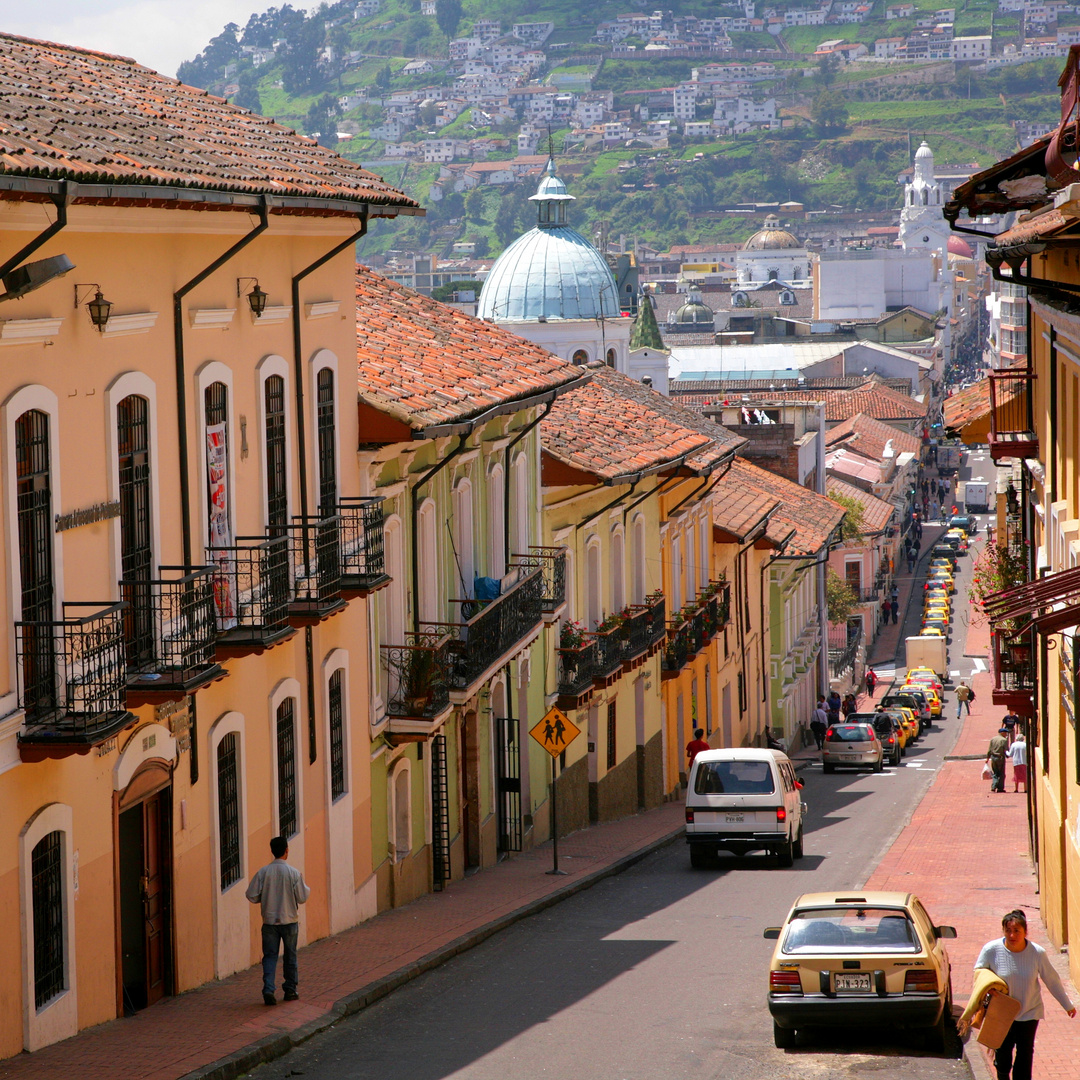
(1021, 963)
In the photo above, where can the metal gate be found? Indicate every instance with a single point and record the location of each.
(440, 814)
(508, 783)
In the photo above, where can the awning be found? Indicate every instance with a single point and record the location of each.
(1028, 600)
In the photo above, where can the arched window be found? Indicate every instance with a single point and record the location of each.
(277, 496)
(594, 602)
(425, 539)
(580, 357)
(618, 571)
(640, 588)
(327, 437)
(497, 522)
(519, 508)
(216, 410)
(462, 530)
(611, 358)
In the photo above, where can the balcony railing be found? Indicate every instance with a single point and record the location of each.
(577, 669)
(1012, 420)
(71, 680)
(552, 561)
(170, 634)
(657, 604)
(363, 567)
(419, 674)
(495, 630)
(844, 648)
(695, 628)
(680, 646)
(315, 557)
(644, 624)
(1014, 673)
(252, 590)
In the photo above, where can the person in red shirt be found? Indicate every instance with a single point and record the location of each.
(695, 746)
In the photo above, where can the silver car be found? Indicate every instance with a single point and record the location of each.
(852, 744)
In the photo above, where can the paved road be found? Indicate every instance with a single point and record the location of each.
(659, 973)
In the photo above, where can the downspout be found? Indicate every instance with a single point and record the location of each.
(614, 502)
(298, 363)
(61, 203)
(181, 376)
(506, 482)
(462, 440)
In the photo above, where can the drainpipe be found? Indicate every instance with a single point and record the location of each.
(298, 362)
(60, 201)
(181, 375)
(462, 440)
(506, 479)
(618, 481)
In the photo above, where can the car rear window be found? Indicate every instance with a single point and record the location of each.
(900, 699)
(734, 778)
(848, 733)
(851, 929)
(883, 725)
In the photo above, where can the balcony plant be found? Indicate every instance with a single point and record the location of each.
(418, 678)
(571, 635)
(996, 570)
(610, 623)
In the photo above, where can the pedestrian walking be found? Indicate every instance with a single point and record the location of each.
(963, 698)
(1011, 722)
(279, 888)
(894, 592)
(894, 609)
(1021, 964)
(820, 721)
(995, 758)
(911, 558)
(695, 746)
(926, 505)
(935, 510)
(871, 681)
(886, 609)
(848, 706)
(1018, 757)
(918, 531)
(832, 705)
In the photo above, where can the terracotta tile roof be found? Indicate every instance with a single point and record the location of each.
(866, 436)
(425, 363)
(741, 507)
(872, 398)
(615, 427)
(876, 512)
(853, 466)
(73, 114)
(807, 517)
(971, 403)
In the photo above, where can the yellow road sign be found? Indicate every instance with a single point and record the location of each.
(555, 732)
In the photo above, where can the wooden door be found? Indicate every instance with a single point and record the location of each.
(155, 894)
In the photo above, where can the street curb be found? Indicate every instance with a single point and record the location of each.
(975, 1057)
(276, 1046)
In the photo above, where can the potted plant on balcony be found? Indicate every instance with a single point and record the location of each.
(418, 677)
(996, 570)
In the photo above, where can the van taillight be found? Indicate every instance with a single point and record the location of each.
(920, 982)
(785, 982)
(781, 813)
(689, 817)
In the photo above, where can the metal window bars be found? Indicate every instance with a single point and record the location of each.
(552, 561)
(315, 565)
(419, 670)
(362, 546)
(252, 588)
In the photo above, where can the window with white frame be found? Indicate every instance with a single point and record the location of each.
(497, 521)
(285, 740)
(637, 554)
(336, 721)
(228, 805)
(594, 585)
(427, 549)
(618, 571)
(463, 530)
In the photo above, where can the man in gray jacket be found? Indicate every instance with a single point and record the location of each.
(279, 888)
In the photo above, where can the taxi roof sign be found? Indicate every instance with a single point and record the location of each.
(555, 732)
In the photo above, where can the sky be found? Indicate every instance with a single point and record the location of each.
(157, 33)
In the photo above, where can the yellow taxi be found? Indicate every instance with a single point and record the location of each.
(909, 726)
(944, 578)
(961, 536)
(931, 696)
(924, 674)
(933, 615)
(932, 631)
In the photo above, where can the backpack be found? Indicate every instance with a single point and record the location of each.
(971, 695)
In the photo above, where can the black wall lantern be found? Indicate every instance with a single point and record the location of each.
(98, 307)
(256, 298)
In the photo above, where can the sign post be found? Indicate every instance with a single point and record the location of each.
(555, 733)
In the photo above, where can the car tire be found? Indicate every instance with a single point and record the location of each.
(799, 848)
(783, 1038)
(827, 768)
(786, 854)
(699, 856)
(938, 1037)
(896, 759)
(880, 766)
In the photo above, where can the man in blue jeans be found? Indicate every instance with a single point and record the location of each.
(280, 889)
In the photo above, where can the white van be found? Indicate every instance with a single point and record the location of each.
(744, 799)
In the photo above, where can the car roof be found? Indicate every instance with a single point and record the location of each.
(868, 897)
(740, 753)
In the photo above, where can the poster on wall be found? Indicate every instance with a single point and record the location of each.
(220, 538)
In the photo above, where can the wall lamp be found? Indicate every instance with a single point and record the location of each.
(256, 298)
(98, 307)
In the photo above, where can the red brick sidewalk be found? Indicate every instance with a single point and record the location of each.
(186, 1034)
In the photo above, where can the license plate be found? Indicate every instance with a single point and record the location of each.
(849, 757)
(733, 818)
(861, 981)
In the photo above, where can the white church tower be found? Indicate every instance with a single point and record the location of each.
(921, 222)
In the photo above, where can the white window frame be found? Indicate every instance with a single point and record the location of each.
(496, 519)
(324, 358)
(403, 765)
(266, 367)
(427, 542)
(211, 372)
(287, 688)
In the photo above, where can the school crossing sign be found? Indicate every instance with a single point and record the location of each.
(555, 732)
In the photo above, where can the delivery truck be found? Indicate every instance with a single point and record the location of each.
(927, 652)
(947, 457)
(975, 494)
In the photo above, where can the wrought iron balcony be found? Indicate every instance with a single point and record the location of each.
(170, 634)
(552, 561)
(315, 554)
(844, 647)
(419, 672)
(657, 604)
(363, 568)
(71, 680)
(577, 670)
(1014, 674)
(252, 590)
(610, 648)
(495, 631)
(1012, 415)
(679, 648)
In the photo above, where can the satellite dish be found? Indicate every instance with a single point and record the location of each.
(31, 276)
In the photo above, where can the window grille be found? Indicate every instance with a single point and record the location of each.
(337, 738)
(326, 425)
(612, 759)
(228, 810)
(132, 426)
(277, 500)
(216, 404)
(47, 891)
(286, 768)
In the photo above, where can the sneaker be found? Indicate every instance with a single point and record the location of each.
(291, 995)
(269, 999)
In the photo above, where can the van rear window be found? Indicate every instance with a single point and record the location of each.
(734, 778)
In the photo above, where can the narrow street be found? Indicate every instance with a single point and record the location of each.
(658, 973)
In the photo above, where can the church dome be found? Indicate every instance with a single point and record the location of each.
(552, 272)
(694, 311)
(959, 246)
(771, 240)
